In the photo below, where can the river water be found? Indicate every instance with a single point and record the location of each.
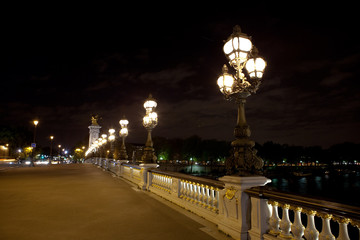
(342, 187)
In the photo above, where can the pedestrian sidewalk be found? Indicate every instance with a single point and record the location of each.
(80, 201)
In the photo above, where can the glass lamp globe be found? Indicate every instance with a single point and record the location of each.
(225, 81)
(111, 138)
(111, 131)
(124, 132)
(153, 116)
(255, 67)
(237, 47)
(150, 103)
(123, 123)
(146, 120)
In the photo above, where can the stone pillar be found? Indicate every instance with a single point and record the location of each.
(94, 132)
(235, 204)
(145, 167)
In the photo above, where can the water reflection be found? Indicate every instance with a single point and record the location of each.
(336, 187)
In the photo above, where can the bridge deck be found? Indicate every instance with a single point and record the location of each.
(82, 202)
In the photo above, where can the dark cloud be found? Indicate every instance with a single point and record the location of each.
(62, 70)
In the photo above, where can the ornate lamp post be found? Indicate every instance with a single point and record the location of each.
(33, 145)
(36, 122)
(51, 143)
(149, 122)
(103, 142)
(111, 139)
(241, 54)
(123, 134)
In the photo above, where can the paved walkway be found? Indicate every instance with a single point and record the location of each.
(83, 202)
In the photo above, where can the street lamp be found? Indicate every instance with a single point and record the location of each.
(51, 143)
(150, 121)
(33, 145)
(123, 134)
(241, 54)
(59, 146)
(36, 122)
(111, 139)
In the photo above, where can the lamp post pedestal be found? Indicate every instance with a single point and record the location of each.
(234, 204)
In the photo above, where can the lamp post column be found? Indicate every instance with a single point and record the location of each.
(123, 153)
(149, 152)
(244, 157)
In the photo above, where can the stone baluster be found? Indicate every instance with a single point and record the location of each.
(311, 233)
(285, 223)
(182, 188)
(343, 228)
(206, 196)
(192, 193)
(162, 181)
(169, 182)
(188, 191)
(326, 229)
(274, 221)
(154, 179)
(216, 200)
(297, 228)
(196, 195)
(201, 192)
(211, 197)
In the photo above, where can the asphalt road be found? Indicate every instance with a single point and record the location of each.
(83, 202)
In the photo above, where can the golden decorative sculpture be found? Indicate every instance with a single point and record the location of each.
(94, 119)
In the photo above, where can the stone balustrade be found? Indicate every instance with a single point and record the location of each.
(321, 218)
(195, 194)
(241, 207)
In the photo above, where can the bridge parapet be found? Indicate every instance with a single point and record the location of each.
(198, 195)
(321, 216)
(240, 207)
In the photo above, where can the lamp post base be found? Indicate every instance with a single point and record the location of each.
(123, 155)
(244, 161)
(148, 155)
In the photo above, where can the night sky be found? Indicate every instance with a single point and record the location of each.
(61, 64)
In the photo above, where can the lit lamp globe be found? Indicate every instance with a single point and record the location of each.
(150, 120)
(111, 131)
(237, 48)
(124, 132)
(225, 81)
(255, 67)
(150, 104)
(123, 123)
(111, 138)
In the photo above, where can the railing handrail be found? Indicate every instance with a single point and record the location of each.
(183, 176)
(317, 204)
(132, 166)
